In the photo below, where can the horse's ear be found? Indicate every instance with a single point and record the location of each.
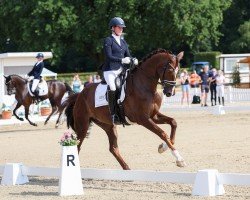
(180, 55)
(5, 76)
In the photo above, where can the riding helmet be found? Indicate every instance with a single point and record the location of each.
(39, 55)
(116, 21)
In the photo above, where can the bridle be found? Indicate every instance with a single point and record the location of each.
(10, 88)
(163, 81)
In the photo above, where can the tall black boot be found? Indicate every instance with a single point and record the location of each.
(219, 100)
(36, 93)
(112, 105)
(222, 100)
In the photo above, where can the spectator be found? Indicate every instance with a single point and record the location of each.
(212, 82)
(194, 81)
(185, 86)
(76, 84)
(97, 79)
(220, 80)
(204, 85)
(89, 81)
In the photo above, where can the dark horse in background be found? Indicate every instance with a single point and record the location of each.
(56, 89)
(141, 104)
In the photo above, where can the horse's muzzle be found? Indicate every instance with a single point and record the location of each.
(167, 92)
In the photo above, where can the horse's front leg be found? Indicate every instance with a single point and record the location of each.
(14, 111)
(152, 126)
(159, 118)
(27, 115)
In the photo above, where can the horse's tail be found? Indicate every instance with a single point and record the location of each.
(68, 88)
(69, 104)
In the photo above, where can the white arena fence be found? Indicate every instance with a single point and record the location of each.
(231, 95)
(152, 176)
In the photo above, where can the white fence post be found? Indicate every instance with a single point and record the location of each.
(207, 183)
(13, 175)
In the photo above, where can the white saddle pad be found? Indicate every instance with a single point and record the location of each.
(100, 95)
(42, 88)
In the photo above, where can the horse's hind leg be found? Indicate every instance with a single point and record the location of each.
(113, 146)
(58, 119)
(14, 111)
(54, 108)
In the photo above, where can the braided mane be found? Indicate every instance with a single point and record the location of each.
(153, 53)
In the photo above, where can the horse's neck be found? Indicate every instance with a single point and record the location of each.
(145, 77)
(21, 84)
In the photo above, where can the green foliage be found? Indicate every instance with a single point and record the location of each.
(236, 77)
(234, 18)
(211, 57)
(74, 30)
(242, 44)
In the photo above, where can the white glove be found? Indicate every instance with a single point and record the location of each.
(26, 76)
(126, 60)
(30, 78)
(135, 61)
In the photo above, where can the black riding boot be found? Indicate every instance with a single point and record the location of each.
(219, 100)
(36, 93)
(112, 105)
(222, 100)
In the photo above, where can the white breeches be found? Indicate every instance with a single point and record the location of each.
(220, 90)
(35, 84)
(110, 76)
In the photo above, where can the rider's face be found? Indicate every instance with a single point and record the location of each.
(118, 30)
(39, 58)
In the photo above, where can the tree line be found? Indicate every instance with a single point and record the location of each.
(74, 29)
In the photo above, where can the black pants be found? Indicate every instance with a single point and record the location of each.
(213, 93)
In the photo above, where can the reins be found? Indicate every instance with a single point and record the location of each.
(164, 82)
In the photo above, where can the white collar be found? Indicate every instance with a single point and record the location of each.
(117, 38)
(39, 62)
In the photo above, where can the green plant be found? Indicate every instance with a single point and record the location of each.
(236, 76)
(45, 104)
(68, 139)
(5, 107)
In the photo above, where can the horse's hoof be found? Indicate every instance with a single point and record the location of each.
(181, 163)
(162, 147)
(21, 119)
(34, 124)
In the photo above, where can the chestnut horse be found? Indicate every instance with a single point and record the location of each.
(17, 85)
(141, 104)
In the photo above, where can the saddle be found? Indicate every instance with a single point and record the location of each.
(41, 90)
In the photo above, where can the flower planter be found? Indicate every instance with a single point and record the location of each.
(45, 111)
(6, 114)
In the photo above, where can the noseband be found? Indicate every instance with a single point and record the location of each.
(165, 83)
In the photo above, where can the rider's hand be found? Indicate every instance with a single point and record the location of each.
(126, 60)
(135, 60)
(26, 76)
(30, 78)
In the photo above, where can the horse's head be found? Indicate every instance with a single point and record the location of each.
(168, 71)
(10, 85)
